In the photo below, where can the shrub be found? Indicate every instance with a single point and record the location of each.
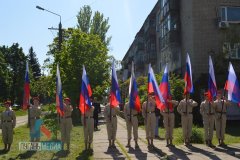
(197, 135)
(51, 120)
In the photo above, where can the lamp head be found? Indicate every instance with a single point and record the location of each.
(38, 7)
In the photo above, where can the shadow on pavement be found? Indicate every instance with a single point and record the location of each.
(138, 153)
(209, 154)
(228, 150)
(180, 153)
(85, 154)
(114, 152)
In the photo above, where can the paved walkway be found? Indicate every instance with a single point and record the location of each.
(196, 152)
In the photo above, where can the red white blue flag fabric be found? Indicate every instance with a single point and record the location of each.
(59, 97)
(165, 90)
(232, 86)
(212, 85)
(26, 96)
(86, 93)
(188, 77)
(115, 98)
(153, 87)
(133, 92)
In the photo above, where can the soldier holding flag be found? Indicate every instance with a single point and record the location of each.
(185, 108)
(87, 110)
(148, 108)
(111, 109)
(131, 110)
(221, 104)
(167, 107)
(186, 105)
(148, 113)
(66, 123)
(110, 114)
(207, 112)
(206, 107)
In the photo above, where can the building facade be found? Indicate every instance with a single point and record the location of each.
(197, 27)
(176, 27)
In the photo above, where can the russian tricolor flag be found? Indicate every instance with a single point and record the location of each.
(59, 97)
(165, 90)
(212, 85)
(26, 95)
(153, 87)
(232, 86)
(115, 98)
(133, 92)
(188, 77)
(86, 93)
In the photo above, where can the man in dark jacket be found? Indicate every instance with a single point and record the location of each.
(97, 110)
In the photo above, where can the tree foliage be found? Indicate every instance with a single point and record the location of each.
(16, 65)
(80, 49)
(5, 79)
(34, 64)
(95, 24)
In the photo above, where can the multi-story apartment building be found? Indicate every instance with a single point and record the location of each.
(176, 27)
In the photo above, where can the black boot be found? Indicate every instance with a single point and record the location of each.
(5, 147)
(9, 146)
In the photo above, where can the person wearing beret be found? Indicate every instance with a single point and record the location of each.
(8, 122)
(220, 106)
(185, 108)
(66, 123)
(34, 113)
(148, 113)
(207, 112)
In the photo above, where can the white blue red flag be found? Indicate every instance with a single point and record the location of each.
(59, 97)
(86, 93)
(26, 96)
(115, 98)
(153, 87)
(188, 77)
(212, 85)
(165, 90)
(133, 92)
(232, 86)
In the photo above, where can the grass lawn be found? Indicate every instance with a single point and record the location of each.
(232, 134)
(21, 134)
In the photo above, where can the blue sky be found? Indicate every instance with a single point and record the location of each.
(22, 23)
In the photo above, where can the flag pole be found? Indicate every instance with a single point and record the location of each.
(221, 113)
(84, 116)
(130, 114)
(110, 112)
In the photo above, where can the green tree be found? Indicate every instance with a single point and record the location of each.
(84, 19)
(5, 79)
(97, 25)
(81, 49)
(16, 60)
(34, 64)
(44, 87)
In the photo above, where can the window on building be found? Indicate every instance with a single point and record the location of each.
(230, 14)
(232, 50)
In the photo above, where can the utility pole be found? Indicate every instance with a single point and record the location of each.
(59, 27)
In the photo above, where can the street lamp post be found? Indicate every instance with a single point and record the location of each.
(59, 26)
